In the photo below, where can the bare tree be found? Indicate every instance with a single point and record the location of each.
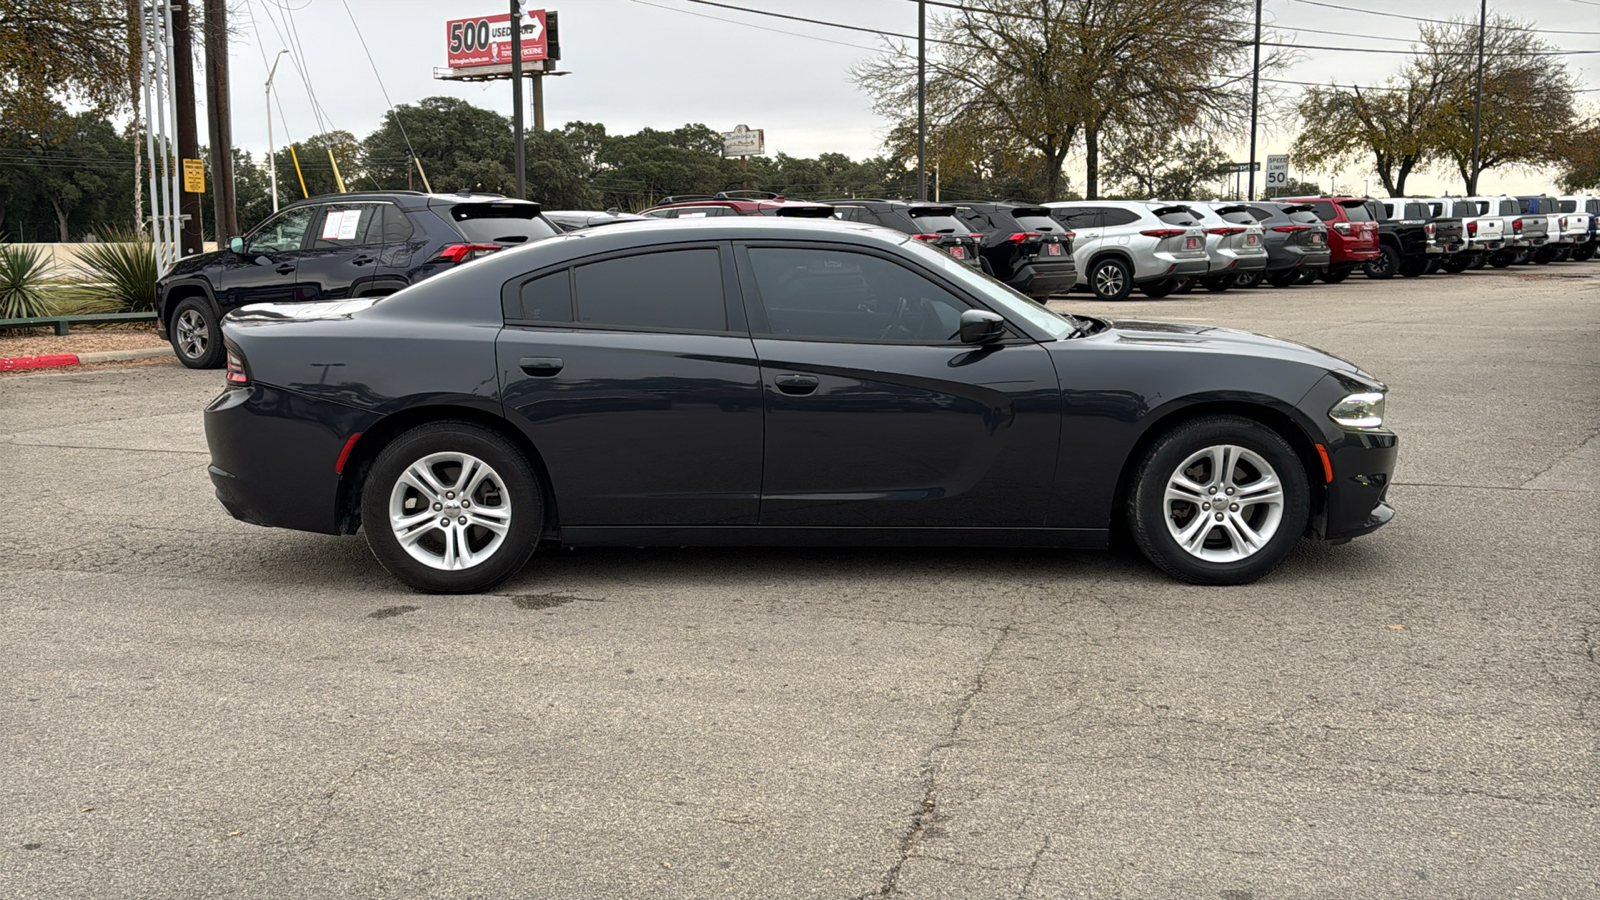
(1395, 127)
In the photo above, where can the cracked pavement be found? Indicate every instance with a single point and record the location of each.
(191, 706)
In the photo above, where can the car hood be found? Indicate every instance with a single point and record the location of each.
(1227, 340)
(189, 265)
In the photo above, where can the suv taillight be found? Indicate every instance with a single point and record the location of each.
(1021, 236)
(460, 253)
(1291, 228)
(238, 373)
(1163, 232)
(1225, 232)
(927, 237)
(1342, 227)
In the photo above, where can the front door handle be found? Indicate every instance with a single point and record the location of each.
(541, 366)
(285, 269)
(362, 260)
(796, 384)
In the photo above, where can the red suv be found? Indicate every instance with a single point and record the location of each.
(1352, 233)
(736, 203)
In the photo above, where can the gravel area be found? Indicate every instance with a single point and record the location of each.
(81, 340)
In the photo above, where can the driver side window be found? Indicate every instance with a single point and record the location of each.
(282, 233)
(839, 295)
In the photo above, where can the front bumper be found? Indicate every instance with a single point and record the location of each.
(1362, 465)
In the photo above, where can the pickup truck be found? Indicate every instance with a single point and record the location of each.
(1405, 239)
(1446, 234)
(1561, 243)
(1527, 234)
(1486, 229)
(1579, 203)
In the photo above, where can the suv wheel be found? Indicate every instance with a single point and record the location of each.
(1414, 268)
(1456, 264)
(1111, 279)
(1219, 500)
(1159, 289)
(1249, 279)
(452, 508)
(1336, 274)
(1309, 276)
(1585, 252)
(1285, 278)
(195, 335)
(1384, 265)
(1502, 259)
(1218, 284)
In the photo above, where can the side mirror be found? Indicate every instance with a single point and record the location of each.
(979, 326)
(236, 245)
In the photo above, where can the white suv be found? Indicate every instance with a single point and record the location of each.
(1123, 244)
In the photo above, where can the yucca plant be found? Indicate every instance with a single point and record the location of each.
(119, 273)
(23, 271)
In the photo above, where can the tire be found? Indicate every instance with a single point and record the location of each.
(1284, 279)
(1432, 267)
(1502, 258)
(1309, 276)
(1384, 265)
(1563, 253)
(1218, 284)
(399, 479)
(1413, 268)
(1163, 511)
(1158, 289)
(1249, 279)
(1584, 253)
(195, 335)
(1111, 279)
(1185, 285)
(1479, 260)
(1544, 255)
(1456, 264)
(1336, 275)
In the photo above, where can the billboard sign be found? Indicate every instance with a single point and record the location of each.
(744, 141)
(486, 40)
(1277, 171)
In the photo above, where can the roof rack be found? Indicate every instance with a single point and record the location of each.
(684, 198)
(748, 195)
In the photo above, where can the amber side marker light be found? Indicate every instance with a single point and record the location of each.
(1327, 464)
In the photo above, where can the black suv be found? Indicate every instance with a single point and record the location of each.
(931, 223)
(1023, 247)
(335, 247)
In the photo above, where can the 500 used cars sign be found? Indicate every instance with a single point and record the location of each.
(486, 41)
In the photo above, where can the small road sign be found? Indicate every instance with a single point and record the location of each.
(1277, 171)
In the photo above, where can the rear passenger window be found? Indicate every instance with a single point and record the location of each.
(1324, 210)
(676, 290)
(547, 298)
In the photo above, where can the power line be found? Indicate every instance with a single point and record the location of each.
(1390, 15)
(396, 113)
(690, 12)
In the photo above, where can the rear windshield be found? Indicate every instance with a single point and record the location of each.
(1241, 216)
(1418, 211)
(938, 224)
(1325, 211)
(1525, 204)
(1509, 208)
(1473, 207)
(1175, 217)
(1356, 212)
(1569, 205)
(503, 223)
(1040, 222)
(1304, 216)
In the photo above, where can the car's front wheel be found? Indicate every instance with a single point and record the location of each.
(1111, 279)
(452, 508)
(196, 337)
(1336, 274)
(1219, 500)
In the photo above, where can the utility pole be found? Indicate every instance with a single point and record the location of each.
(272, 160)
(1255, 100)
(1477, 108)
(220, 117)
(516, 97)
(190, 240)
(922, 100)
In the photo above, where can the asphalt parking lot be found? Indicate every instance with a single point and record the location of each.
(191, 706)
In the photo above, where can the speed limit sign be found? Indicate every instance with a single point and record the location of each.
(1278, 170)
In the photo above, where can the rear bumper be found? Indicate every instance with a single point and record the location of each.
(1043, 278)
(1170, 265)
(1226, 260)
(1293, 257)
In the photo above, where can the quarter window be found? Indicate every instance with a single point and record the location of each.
(1324, 210)
(839, 295)
(1114, 217)
(547, 298)
(677, 290)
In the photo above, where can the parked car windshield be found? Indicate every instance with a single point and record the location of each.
(938, 224)
(1417, 211)
(1509, 208)
(1003, 296)
(499, 223)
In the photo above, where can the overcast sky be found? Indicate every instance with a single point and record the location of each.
(663, 63)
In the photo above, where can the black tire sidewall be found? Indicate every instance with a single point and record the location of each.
(215, 352)
(1146, 516)
(517, 474)
(1391, 262)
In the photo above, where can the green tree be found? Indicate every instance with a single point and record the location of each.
(54, 51)
(1396, 128)
(636, 170)
(460, 146)
(1165, 166)
(1578, 157)
(316, 168)
(73, 171)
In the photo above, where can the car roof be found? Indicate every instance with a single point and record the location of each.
(409, 199)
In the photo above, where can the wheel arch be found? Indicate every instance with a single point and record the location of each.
(1279, 421)
(384, 431)
(177, 293)
(1097, 256)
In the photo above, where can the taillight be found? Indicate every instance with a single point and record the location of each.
(975, 236)
(1563, 221)
(1430, 228)
(1225, 231)
(1342, 227)
(1163, 232)
(1516, 224)
(1291, 228)
(927, 237)
(460, 253)
(237, 372)
(1021, 236)
(1472, 229)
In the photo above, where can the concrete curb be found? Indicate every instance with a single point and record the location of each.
(58, 360)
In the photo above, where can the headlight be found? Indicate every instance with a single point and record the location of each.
(1364, 410)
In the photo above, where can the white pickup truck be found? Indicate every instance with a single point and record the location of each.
(1485, 227)
(1525, 234)
(1583, 222)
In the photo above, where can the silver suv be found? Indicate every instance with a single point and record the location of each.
(1233, 248)
(1123, 244)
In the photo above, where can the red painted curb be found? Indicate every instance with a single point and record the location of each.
(38, 362)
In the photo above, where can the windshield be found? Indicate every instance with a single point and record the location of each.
(1003, 296)
(1042, 223)
(1356, 212)
(1509, 208)
(1569, 205)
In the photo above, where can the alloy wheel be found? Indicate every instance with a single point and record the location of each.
(1108, 280)
(450, 511)
(1223, 504)
(193, 336)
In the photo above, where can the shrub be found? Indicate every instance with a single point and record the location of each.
(120, 273)
(22, 275)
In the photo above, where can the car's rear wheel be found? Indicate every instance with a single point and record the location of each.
(1413, 268)
(1479, 260)
(451, 508)
(1159, 289)
(1185, 285)
(1111, 279)
(1309, 276)
(1544, 255)
(195, 335)
(1457, 264)
(1218, 284)
(1284, 279)
(1249, 279)
(1384, 265)
(1432, 266)
(1502, 259)
(1336, 274)
(1219, 500)
(1584, 253)
(1563, 253)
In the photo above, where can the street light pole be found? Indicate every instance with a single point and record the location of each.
(1255, 99)
(272, 161)
(922, 93)
(1477, 110)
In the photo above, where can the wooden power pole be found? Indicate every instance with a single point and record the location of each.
(219, 114)
(189, 235)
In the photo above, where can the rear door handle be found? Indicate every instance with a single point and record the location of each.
(541, 366)
(796, 384)
(284, 269)
(362, 260)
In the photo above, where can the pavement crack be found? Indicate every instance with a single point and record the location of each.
(927, 813)
(1562, 458)
(1033, 868)
(331, 796)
